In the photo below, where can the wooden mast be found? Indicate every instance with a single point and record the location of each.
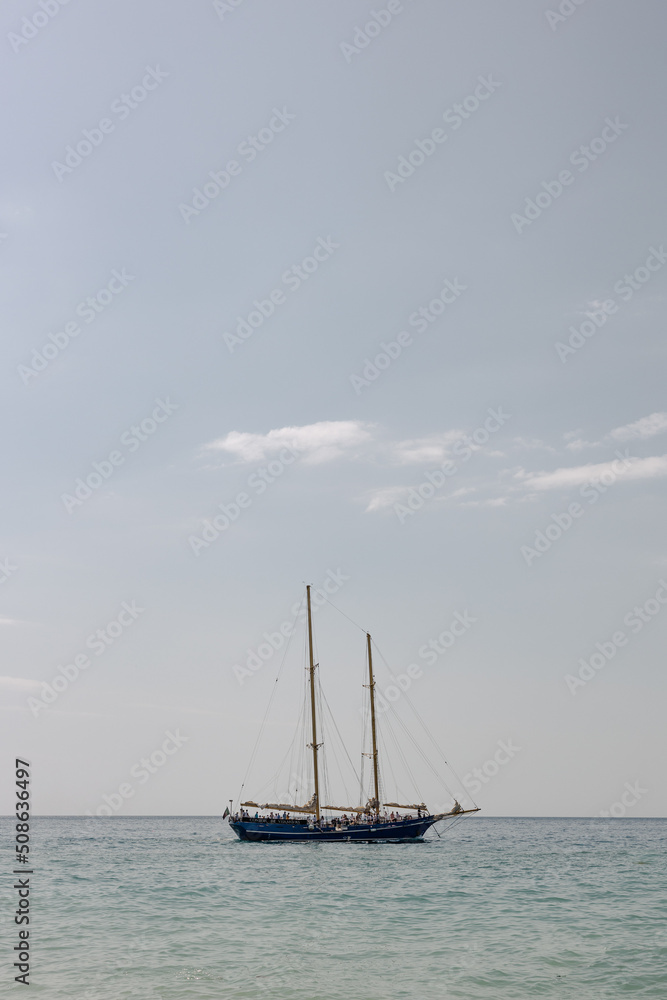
(313, 745)
(371, 685)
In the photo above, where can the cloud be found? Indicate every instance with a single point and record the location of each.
(575, 442)
(389, 495)
(19, 684)
(321, 442)
(23, 687)
(490, 502)
(578, 444)
(640, 430)
(425, 451)
(386, 497)
(179, 708)
(332, 439)
(647, 427)
(530, 444)
(640, 468)
(353, 439)
(329, 440)
(518, 484)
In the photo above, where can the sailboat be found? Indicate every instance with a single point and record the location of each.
(368, 823)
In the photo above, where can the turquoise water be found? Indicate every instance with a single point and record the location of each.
(499, 909)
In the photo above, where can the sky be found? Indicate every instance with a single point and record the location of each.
(369, 297)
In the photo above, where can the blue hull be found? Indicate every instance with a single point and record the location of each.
(404, 830)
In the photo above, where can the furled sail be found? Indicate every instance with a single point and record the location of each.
(286, 807)
(455, 812)
(309, 807)
(347, 809)
(397, 805)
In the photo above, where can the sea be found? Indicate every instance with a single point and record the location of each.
(495, 909)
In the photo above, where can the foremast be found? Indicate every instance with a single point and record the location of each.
(314, 746)
(374, 754)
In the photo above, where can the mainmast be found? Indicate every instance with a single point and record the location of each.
(371, 685)
(314, 744)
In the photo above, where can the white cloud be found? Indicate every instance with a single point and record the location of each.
(19, 684)
(386, 497)
(354, 439)
(321, 442)
(578, 444)
(389, 495)
(595, 304)
(530, 444)
(425, 451)
(641, 468)
(648, 468)
(490, 502)
(640, 430)
(177, 708)
(647, 427)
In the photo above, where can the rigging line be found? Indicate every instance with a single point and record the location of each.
(456, 822)
(387, 757)
(354, 770)
(293, 743)
(333, 751)
(269, 788)
(297, 748)
(365, 712)
(401, 754)
(365, 631)
(401, 795)
(366, 729)
(403, 758)
(426, 730)
(421, 753)
(339, 769)
(268, 707)
(414, 742)
(410, 704)
(290, 749)
(296, 759)
(323, 757)
(363, 761)
(449, 826)
(414, 710)
(273, 781)
(408, 700)
(300, 771)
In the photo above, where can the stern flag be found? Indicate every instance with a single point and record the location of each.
(225, 814)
